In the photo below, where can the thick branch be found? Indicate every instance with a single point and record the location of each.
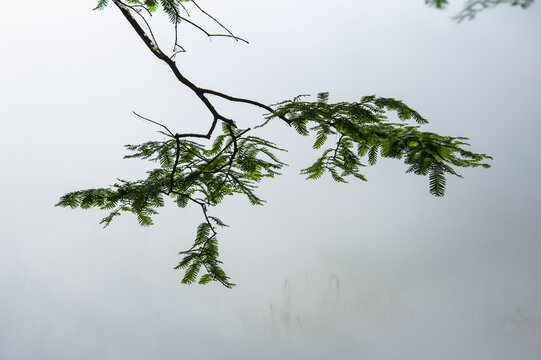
(162, 56)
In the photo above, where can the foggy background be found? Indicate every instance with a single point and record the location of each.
(419, 277)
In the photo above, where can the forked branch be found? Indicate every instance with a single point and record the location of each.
(201, 93)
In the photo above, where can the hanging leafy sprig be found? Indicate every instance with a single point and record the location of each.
(363, 133)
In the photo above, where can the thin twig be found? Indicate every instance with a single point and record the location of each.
(184, 7)
(140, 7)
(154, 122)
(216, 21)
(209, 34)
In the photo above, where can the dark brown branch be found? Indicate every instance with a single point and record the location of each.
(199, 92)
(172, 65)
(237, 99)
(206, 136)
(174, 170)
(124, 7)
(242, 100)
(337, 146)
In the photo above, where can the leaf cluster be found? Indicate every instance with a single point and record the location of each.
(360, 132)
(188, 172)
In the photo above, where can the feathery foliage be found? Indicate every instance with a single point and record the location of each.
(188, 172)
(362, 131)
(235, 163)
(348, 136)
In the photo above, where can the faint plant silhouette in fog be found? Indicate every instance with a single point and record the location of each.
(518, 320)
(473, 7)
(291, 317)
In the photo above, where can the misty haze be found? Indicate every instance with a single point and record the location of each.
(376, 270)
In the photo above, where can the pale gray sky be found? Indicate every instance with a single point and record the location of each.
(420, 277)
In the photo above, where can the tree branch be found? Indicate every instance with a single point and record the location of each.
(199, 92)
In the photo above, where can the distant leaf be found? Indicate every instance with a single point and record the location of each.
(323, 97)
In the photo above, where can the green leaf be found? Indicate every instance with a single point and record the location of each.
(205, 279)
(444, 152)
(320, 140)
(373, 155)
(437, 181)
(191, 273)
(323, 97)
(203, 231)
